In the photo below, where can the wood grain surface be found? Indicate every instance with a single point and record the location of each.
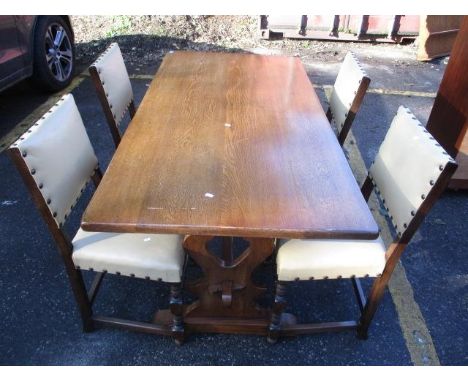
(230, 145)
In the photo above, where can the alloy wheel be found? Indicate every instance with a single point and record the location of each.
(58, 50)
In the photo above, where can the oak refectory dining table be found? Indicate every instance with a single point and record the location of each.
(230, 145)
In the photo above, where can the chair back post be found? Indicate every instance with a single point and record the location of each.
(97, 177)
(132, 109)
(110, 78)
(62, 241)
(347, 95)
(114, 129)
(355, 105)
(367, 188)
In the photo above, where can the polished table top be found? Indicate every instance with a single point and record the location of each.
(230, 145)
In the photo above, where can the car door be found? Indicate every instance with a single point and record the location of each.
(12, 65)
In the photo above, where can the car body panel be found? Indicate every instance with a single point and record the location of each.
(16, 47)
(14, 63)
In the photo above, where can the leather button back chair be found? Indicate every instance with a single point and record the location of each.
(110, 78)
(346, 96)
(410, 172)
(56, 161)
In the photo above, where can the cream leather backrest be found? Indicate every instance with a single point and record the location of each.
(114, 78)
(59, 156)
(407, 166)
(345, 89)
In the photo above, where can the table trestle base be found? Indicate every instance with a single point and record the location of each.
(226, 289)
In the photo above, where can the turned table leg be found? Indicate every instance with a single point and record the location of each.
(277, 311)
(176, 308)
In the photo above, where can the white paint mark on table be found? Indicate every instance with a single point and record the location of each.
(227, 125)
(155, 208)
(209, 195)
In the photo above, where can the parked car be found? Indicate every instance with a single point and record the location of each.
(40, 47)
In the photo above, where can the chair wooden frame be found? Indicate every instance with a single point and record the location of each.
(113, 126)
(83, 296)
(353, 107)
(368, 306)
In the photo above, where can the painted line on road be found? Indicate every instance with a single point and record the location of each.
(404, 93)
(415, 332)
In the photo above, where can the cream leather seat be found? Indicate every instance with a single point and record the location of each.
(154, 257)
(409, 173)
(56, 160)
(114, 89)
(330, 259)
(346, 96)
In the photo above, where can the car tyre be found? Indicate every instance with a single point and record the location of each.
(53, 54)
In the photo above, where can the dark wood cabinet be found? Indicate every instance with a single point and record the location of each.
(448, 119)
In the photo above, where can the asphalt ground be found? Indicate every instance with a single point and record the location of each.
(422, 320)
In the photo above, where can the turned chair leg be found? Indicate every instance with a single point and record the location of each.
(277, 310)
(175, 305)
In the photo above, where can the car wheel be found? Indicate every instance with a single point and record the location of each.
(54, 53)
